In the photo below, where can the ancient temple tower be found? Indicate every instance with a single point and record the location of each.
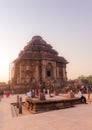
(38, 61)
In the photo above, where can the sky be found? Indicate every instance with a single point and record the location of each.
(65, 24)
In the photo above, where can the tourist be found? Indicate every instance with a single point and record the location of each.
(33, 94)
(2, 94)
(83, 89)
(48, 91)
(39, 91)
(7, 94)
(70, 94)
(28, 94)
(44, 91)
(80, 95)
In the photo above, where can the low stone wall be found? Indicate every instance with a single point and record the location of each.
(36, 106)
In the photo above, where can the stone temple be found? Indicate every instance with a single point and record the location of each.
(38, 62)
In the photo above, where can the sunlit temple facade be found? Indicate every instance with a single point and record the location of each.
(38, 62)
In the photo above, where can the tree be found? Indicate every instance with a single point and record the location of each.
(86, 79)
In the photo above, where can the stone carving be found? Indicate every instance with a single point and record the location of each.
(38, 60)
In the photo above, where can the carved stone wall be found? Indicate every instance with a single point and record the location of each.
(38, 62)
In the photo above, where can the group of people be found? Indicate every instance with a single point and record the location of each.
(6, 93)
(33, 93)
(80, 95)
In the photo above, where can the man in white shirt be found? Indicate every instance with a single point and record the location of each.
(80, 95)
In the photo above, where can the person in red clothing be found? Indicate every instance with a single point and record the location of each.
(7, 94)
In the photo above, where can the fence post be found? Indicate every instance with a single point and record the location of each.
(20, 106)
(17, 101)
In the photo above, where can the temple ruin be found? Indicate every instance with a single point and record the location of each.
(38, 62)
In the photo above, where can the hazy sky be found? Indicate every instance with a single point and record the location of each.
(65, 24)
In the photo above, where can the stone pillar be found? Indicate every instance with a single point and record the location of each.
(54, 70)
(57, 72)
(64, 74)
(20, 106)
(43, 71)
(37, 73)
(17, 101)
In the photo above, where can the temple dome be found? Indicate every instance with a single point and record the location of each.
(36, 38)
(39, 49)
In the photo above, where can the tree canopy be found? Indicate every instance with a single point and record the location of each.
(86, 79)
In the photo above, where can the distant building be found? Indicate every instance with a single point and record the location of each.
(38, 62)
(2, 83)
(3, 86)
